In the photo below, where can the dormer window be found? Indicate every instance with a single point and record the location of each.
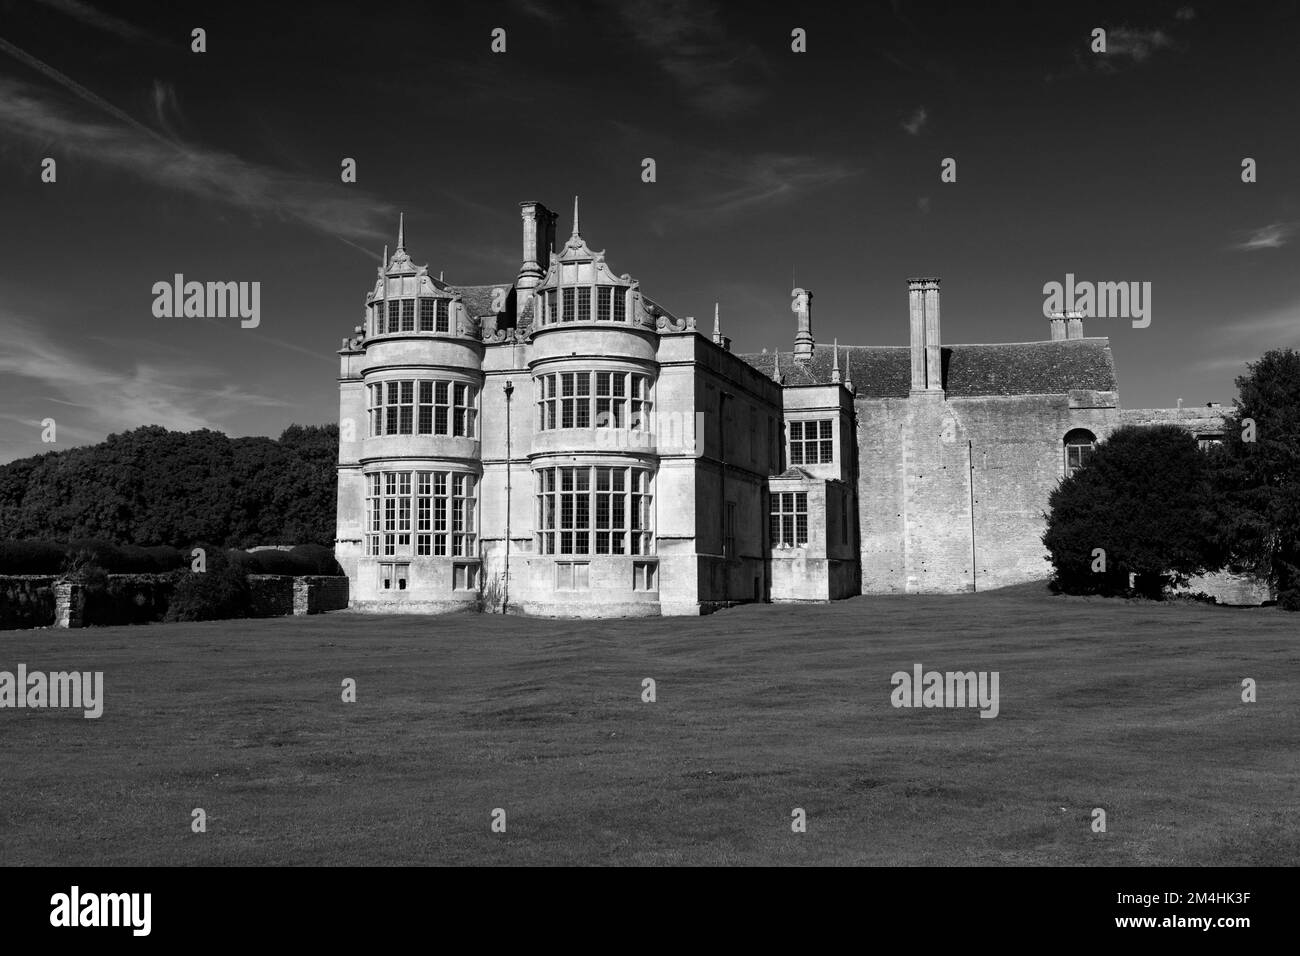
(391, 316)
(575, 304)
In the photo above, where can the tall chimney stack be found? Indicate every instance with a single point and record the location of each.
(803, 339)
(916, 311)
(539, 237)
(1074, 325)
(933, 351)
(1058, 326)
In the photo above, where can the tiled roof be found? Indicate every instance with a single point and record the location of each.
(478, 298)
(1023, 368)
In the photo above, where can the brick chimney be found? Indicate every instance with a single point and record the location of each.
(927, 352)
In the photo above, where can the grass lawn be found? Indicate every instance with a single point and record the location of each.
(1132, 707)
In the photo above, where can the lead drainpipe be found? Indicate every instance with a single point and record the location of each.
(505, 596)
(970, 461)
(722, 477)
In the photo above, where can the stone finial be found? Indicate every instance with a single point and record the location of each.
(848, 373)
(401, 232)
(835, 363)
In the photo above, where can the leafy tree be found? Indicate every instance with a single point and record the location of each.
(1258, 474)
(151, 486)
(1145, 499)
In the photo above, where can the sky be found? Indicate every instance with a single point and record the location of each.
(774, 168)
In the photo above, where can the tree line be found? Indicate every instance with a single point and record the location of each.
(151, 486)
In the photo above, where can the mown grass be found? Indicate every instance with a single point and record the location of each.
(1132, 707)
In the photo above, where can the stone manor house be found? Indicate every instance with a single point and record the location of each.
(562, 439)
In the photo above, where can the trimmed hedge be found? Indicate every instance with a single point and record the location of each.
(32, 557)
(50, 557)
(304, 559)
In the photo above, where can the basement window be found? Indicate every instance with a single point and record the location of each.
(645, 576)
(572, 576)
(393, 577)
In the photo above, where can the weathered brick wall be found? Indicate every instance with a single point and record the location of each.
(26, 600)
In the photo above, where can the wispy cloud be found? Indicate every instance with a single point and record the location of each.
(724, 185)
(1127, 47)
(916, 122)
(716, 72)
(537, 10)
(166, 106)
(1135, 44)
(92, 17)
(1273, 236)
(212, 174)
(177, 395)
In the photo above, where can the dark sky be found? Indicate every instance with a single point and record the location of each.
(225, 166)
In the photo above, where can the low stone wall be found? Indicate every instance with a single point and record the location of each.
(315, 594)
(26, 600)
(276, 595)
(270, 595)
(37, 600)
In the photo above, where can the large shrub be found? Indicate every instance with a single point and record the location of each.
(1142, 505)
(273, 561)
(219, 593)
(316, 559)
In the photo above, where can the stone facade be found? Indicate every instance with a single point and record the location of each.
(561, 444)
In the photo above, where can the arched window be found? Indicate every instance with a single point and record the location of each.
(1079, 444)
